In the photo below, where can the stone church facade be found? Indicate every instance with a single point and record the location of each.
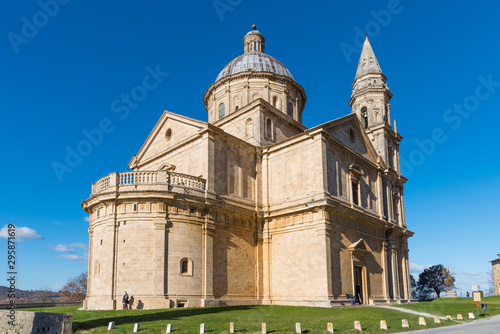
(252, 207)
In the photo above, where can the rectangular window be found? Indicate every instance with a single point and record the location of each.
(355, 192)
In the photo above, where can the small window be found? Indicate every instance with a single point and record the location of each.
(355, 192)
(135, 207)
(186, 267)
(168, 134)
(236, 108)
(101, 242)
(289, 109)
(222, 110)
(275, 101)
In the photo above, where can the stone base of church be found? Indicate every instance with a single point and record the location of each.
(149, 303)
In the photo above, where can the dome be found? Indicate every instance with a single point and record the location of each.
(257, 61)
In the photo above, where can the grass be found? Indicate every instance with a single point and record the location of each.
(248, 319)
(454, 306)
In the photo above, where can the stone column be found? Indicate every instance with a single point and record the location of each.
(385, 277)
(404, 257)
(395, 276)
(208, 262)
(380, 201)
(91, 262)
(402, 207)
(390, 212)
(161, 259)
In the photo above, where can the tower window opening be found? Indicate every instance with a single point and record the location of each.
(222, 110)
(364, 115)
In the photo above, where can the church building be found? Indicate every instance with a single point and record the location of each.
(252, 207)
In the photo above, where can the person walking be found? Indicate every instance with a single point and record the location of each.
(125, 301)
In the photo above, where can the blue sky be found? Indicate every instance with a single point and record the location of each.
(67, 67)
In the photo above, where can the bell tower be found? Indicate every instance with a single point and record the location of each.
(370, 101)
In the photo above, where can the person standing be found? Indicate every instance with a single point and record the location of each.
(125, 301)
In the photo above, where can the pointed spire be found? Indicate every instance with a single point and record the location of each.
(368, 63)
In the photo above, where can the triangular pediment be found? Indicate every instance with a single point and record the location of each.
(360, 247)
(347, 131)
(170, 130)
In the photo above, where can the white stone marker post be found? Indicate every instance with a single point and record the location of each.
(405, 323)
(111, 325)
(471, 315)
(460, 317)
(297, 328)
(202, 329)
(448, 317)
(421, 321)
(264, 329)
(357, 325)
(137, 328)
(329, 327)
(383, 324)
(169, 329)
(437, 320)
(231, 327)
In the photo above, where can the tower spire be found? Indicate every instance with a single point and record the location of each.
(368, 63)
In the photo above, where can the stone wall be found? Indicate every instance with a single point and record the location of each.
(42, 322)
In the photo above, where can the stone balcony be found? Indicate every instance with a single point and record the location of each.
(149, 181)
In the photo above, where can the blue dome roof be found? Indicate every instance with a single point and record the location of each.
(257, 61)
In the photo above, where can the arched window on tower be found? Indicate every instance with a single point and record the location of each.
(289, 109)
(222, 110)
(364, 116)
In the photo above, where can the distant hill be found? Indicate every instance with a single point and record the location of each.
(32, 296)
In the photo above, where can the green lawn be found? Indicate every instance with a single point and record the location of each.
(248, 319)
(454, 306)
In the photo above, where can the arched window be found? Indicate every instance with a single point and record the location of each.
(186, 267)
(269, 128)
(289, 109)
(222, 110)
(364, 115)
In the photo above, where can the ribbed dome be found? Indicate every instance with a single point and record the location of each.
(257, 61)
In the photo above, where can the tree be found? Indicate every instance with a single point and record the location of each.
(76, 288)
(491, 283)
(449, 279)
(413, 285)
(431, 280)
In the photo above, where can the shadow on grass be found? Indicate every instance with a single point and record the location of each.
(168, 314)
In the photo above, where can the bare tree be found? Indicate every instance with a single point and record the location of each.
(76, 288)
(490, 290)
